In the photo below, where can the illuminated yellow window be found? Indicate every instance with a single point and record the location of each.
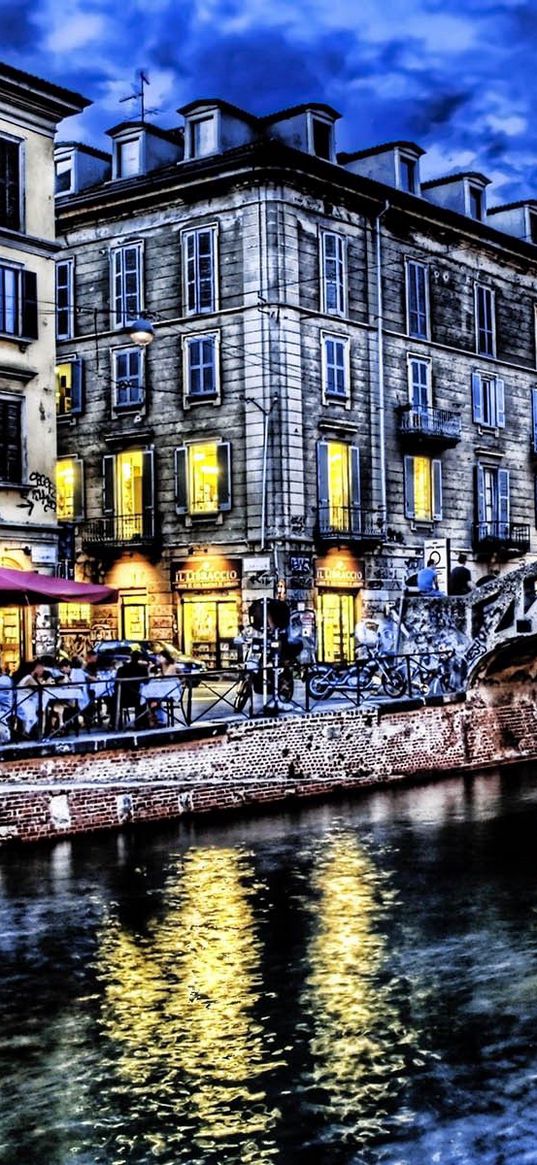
(338, 484)
(203, 478)
(129, 479)
(69, 388)
(74, 615)
(68, 488)
(423, 489)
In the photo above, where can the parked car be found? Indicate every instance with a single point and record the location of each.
(117, 651)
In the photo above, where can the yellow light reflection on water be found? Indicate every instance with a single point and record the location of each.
(359, 1040)
(178, 1006)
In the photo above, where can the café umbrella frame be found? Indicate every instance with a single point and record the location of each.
(26, 588)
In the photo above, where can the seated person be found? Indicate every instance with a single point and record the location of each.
(130, 676)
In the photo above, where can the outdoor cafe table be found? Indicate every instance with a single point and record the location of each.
(162, 690)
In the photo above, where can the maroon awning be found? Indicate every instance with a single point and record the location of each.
(22, 588)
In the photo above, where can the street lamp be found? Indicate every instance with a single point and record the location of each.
(141, 332)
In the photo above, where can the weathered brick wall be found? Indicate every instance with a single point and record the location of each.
(255, 763)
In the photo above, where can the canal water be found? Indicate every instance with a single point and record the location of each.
(350, 984)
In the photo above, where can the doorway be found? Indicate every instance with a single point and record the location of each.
(210, 625)
(336, 626)
(134, 615)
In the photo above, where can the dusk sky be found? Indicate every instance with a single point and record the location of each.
(459, 79)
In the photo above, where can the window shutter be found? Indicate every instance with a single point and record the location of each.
(116, 279)
(503, 503)
(148, 492)
(534, 418)
(223, 453)
(108, 483)
(480, 506)
(477, 399)
(78, 488)
(190, 271)
(76, 386)
(409, 487)
(437, 489)
(500, 402)
(322, 473)
(181, 491)
(29, 304)
(355, 495)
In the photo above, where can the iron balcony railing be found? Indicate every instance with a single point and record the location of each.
(436, 424)
(350, 522)
(118, 530)
(510, 535)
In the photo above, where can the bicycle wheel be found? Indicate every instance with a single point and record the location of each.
(319, 686)
(394, 681)
(241, 696)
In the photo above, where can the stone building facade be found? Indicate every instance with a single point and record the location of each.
(30, 110)
(343, 375)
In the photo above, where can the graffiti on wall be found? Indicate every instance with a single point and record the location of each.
(42, 492)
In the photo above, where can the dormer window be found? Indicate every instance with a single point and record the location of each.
(322, 133)
(128, 157)
(475, 202)
(203, 136)
(407, 174)
(64, 175)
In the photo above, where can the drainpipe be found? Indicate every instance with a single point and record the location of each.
(380, 358)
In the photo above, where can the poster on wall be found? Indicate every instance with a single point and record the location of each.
(439, 550)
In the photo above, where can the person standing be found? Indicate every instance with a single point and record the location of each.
(460, 579)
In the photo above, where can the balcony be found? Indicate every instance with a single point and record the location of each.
(490, 537)
(337, 524)
(429, 426)
(117, 531)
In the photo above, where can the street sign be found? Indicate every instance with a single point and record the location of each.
(439, 550)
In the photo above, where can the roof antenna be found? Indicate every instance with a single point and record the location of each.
(138, 94)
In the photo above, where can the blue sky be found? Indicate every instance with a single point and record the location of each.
(458, 78)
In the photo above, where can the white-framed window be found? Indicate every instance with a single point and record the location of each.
(201, 371)
(203, 135)
(18, 302)
(128, 157)
(417, 300)
(126, 280)
(419, 383)
(199, 267)
(423, 489)
(69, 394)
(64, 169)
(128, 377)
(336, 368)
(203, 478)
(488, 401)
(492, 501)
(11, 182)
(485, 323)
(69, 489)
(333, 273)
(408, 173)
(65, 299)
(321, 137)
(475, 202)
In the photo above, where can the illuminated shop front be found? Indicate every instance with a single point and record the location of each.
(208, 608)
(338, 580)
(15, 628)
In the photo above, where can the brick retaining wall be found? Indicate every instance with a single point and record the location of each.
(260, 761)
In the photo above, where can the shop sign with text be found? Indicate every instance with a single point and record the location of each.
(207, 574)
(346, 574)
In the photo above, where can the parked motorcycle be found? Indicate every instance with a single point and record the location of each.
(373, 672)
(251, 679)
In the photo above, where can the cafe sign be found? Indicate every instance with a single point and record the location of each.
(206, 574)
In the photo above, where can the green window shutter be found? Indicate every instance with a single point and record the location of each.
(181, 487)
(223, 453)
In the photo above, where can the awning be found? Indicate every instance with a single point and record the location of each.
(22, 588)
